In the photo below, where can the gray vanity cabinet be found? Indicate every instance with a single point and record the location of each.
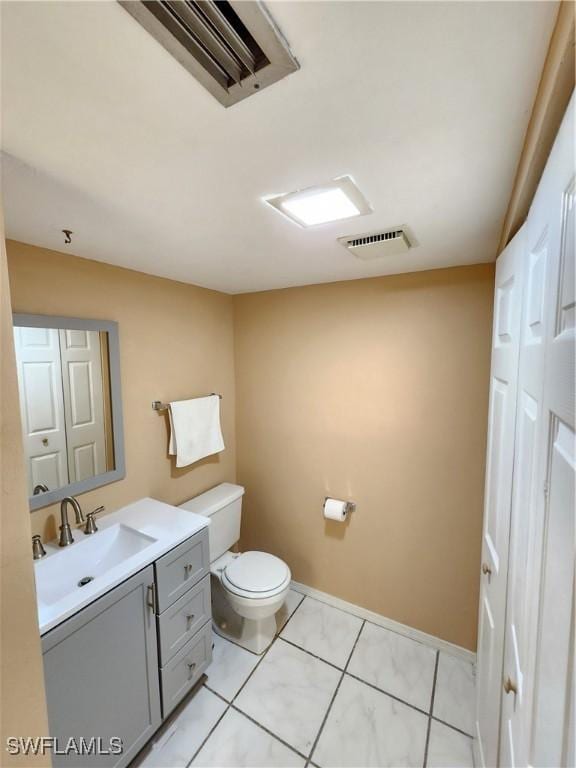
(101, 672)
(123, 663)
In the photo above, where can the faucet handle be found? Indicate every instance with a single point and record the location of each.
(38, 550)
(91, 526)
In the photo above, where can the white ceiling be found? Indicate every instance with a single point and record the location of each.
(424, 104)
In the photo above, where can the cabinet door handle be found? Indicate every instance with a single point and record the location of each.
(191, 668)
(151, 597)
(510, 686)
(188, 568)
(189, 619)
(486, 570)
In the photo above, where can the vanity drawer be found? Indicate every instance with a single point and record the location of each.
(183, 671)
(181, 568)
(183, 618)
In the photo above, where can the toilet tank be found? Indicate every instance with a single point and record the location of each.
(223, 505)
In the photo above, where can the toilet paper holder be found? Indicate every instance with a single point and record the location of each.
(350, 505)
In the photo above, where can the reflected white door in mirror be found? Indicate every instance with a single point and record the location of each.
(71, 410)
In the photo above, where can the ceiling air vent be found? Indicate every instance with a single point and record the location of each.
(233, 48)
(377, 244)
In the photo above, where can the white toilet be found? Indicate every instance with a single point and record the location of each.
(248, 589)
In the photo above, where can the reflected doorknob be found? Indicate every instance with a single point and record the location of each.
(486, 570)
(510, 686)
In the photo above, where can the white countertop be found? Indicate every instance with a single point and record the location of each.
(168, 525)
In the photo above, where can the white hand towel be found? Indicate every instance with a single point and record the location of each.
(195, 429)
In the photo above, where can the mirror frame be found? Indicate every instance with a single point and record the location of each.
(119, 471)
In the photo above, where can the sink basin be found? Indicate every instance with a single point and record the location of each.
(128, 540)
(71, 568)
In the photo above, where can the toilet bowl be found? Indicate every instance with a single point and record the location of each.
(254, 586)
(249, 588)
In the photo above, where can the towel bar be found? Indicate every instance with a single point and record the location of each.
(158, 405)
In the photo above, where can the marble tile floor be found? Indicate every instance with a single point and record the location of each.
(332, 691)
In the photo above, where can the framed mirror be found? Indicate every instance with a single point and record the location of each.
(70, 403)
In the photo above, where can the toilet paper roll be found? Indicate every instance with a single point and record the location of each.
(335, 509)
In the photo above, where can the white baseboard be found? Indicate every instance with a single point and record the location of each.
(382, 621)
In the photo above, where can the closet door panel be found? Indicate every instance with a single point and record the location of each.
(540, 590)
(500, 454)
(555, 642)
(524, 525)
(553, 736)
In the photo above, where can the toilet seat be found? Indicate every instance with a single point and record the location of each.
(256, 575)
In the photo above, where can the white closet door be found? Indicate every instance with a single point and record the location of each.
(544, 459)
(553, 736)
(498, 494)
(42, 405)
(83, 397)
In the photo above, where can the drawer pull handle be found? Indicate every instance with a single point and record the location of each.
(191, 668)
(188, 568)
(189, 619)
(151, 597)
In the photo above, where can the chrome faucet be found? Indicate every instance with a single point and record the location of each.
(66, 537)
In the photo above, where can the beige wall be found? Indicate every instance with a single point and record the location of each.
(376, 391)
(22, 704)
(176, 340)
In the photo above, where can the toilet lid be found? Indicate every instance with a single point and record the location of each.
(257, 572)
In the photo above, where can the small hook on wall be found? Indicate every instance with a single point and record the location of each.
(67, 236)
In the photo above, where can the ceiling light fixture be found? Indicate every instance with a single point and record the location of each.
(337, 199)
